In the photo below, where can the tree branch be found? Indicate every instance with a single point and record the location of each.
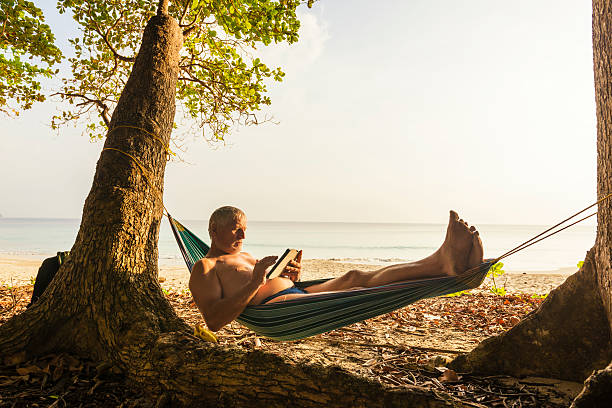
(109, 45)
(184, 14)
(188, 31)
(191, 26)
(162, 8)
(198, 81)
(102, 107)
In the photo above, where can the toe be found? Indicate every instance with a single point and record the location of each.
(477, 252)
(453, 216)
(472, 228)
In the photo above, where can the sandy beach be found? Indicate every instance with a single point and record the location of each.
(416, 338)
(20, 270)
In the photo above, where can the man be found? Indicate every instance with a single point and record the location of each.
(227, 279)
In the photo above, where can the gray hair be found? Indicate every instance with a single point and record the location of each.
(224, 215)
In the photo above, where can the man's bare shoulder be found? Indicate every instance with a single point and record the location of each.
(205, 263)
(203, 267)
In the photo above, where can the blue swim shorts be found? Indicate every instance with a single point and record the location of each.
(287, 291)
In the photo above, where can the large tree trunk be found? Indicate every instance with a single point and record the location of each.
(105, 302)
(569, 335)
(602, 57)
(96, 302)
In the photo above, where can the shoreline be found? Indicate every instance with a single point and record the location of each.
(18, 270)
(356, 264)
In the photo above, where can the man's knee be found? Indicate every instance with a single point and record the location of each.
(355, 278)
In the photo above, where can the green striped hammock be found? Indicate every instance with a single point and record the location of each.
(321, 312)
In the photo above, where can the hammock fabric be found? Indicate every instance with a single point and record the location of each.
(321, 312)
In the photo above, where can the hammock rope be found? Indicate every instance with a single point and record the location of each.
(145, 172)
(534, 240)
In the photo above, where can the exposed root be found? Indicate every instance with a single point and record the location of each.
(566, 338)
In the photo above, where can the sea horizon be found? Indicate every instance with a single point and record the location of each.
(188, 220)
(380, 243)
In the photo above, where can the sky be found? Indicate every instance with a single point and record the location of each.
(390, 111)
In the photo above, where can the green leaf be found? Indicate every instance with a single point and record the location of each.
(226, 88)
(24, 34)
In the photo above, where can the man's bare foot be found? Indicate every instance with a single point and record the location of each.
(462, 248)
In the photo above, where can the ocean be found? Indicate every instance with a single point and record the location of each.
(372, 243)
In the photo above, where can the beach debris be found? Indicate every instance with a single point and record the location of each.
(438, 361)
(204, 334)
(449, 376)
(514, 320)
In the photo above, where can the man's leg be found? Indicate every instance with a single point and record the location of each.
(461, 250)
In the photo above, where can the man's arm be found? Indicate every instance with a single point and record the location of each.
(208, 294)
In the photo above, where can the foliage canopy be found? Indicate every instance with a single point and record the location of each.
(23, 34)
(220, 83)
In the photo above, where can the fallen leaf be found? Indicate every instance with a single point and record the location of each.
(30, 370)
(449, 376)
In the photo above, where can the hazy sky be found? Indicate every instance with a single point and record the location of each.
(391, 111)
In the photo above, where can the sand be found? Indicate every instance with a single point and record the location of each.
(20, 270)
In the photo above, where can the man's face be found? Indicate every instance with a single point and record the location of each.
(228, 236)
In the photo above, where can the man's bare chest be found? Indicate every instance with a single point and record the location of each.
(234, 275)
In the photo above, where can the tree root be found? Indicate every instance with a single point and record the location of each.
(597, 390)
(566, 338)
(190, 370)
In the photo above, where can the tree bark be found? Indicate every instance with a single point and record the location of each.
(602, 64)
(105, 302)
(569, 336)
(597, 391)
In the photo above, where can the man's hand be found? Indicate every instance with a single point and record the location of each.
(294, 269)
(260, 269)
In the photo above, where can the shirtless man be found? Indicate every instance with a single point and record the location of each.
(227, 279)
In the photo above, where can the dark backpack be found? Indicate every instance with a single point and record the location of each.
(45, 274)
